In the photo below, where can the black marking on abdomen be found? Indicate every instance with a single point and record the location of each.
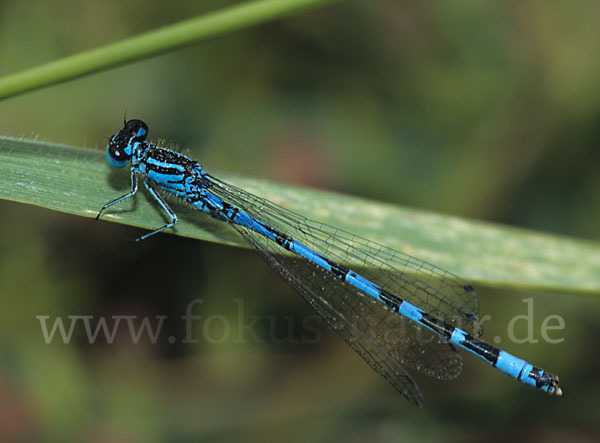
(229, 211)
(233, 213)
(338, 270)
(481, 348)
(281, 239)
(535, 374)
(391, 300)
(543, 378)
(437, 325)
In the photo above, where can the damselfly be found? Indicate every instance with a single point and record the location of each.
(392, 309)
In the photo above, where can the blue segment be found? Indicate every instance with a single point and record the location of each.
(515, 367)
(387, 315)
(458, 337)
(411, 311)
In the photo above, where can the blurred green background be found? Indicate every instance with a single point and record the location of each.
(482, 110)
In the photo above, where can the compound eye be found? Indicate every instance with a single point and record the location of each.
(116, 153)
(116, 156)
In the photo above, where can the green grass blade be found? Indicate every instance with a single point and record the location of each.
(78, 181)
(152, 43)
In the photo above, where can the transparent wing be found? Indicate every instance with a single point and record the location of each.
(428, 287)
(384, 339)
